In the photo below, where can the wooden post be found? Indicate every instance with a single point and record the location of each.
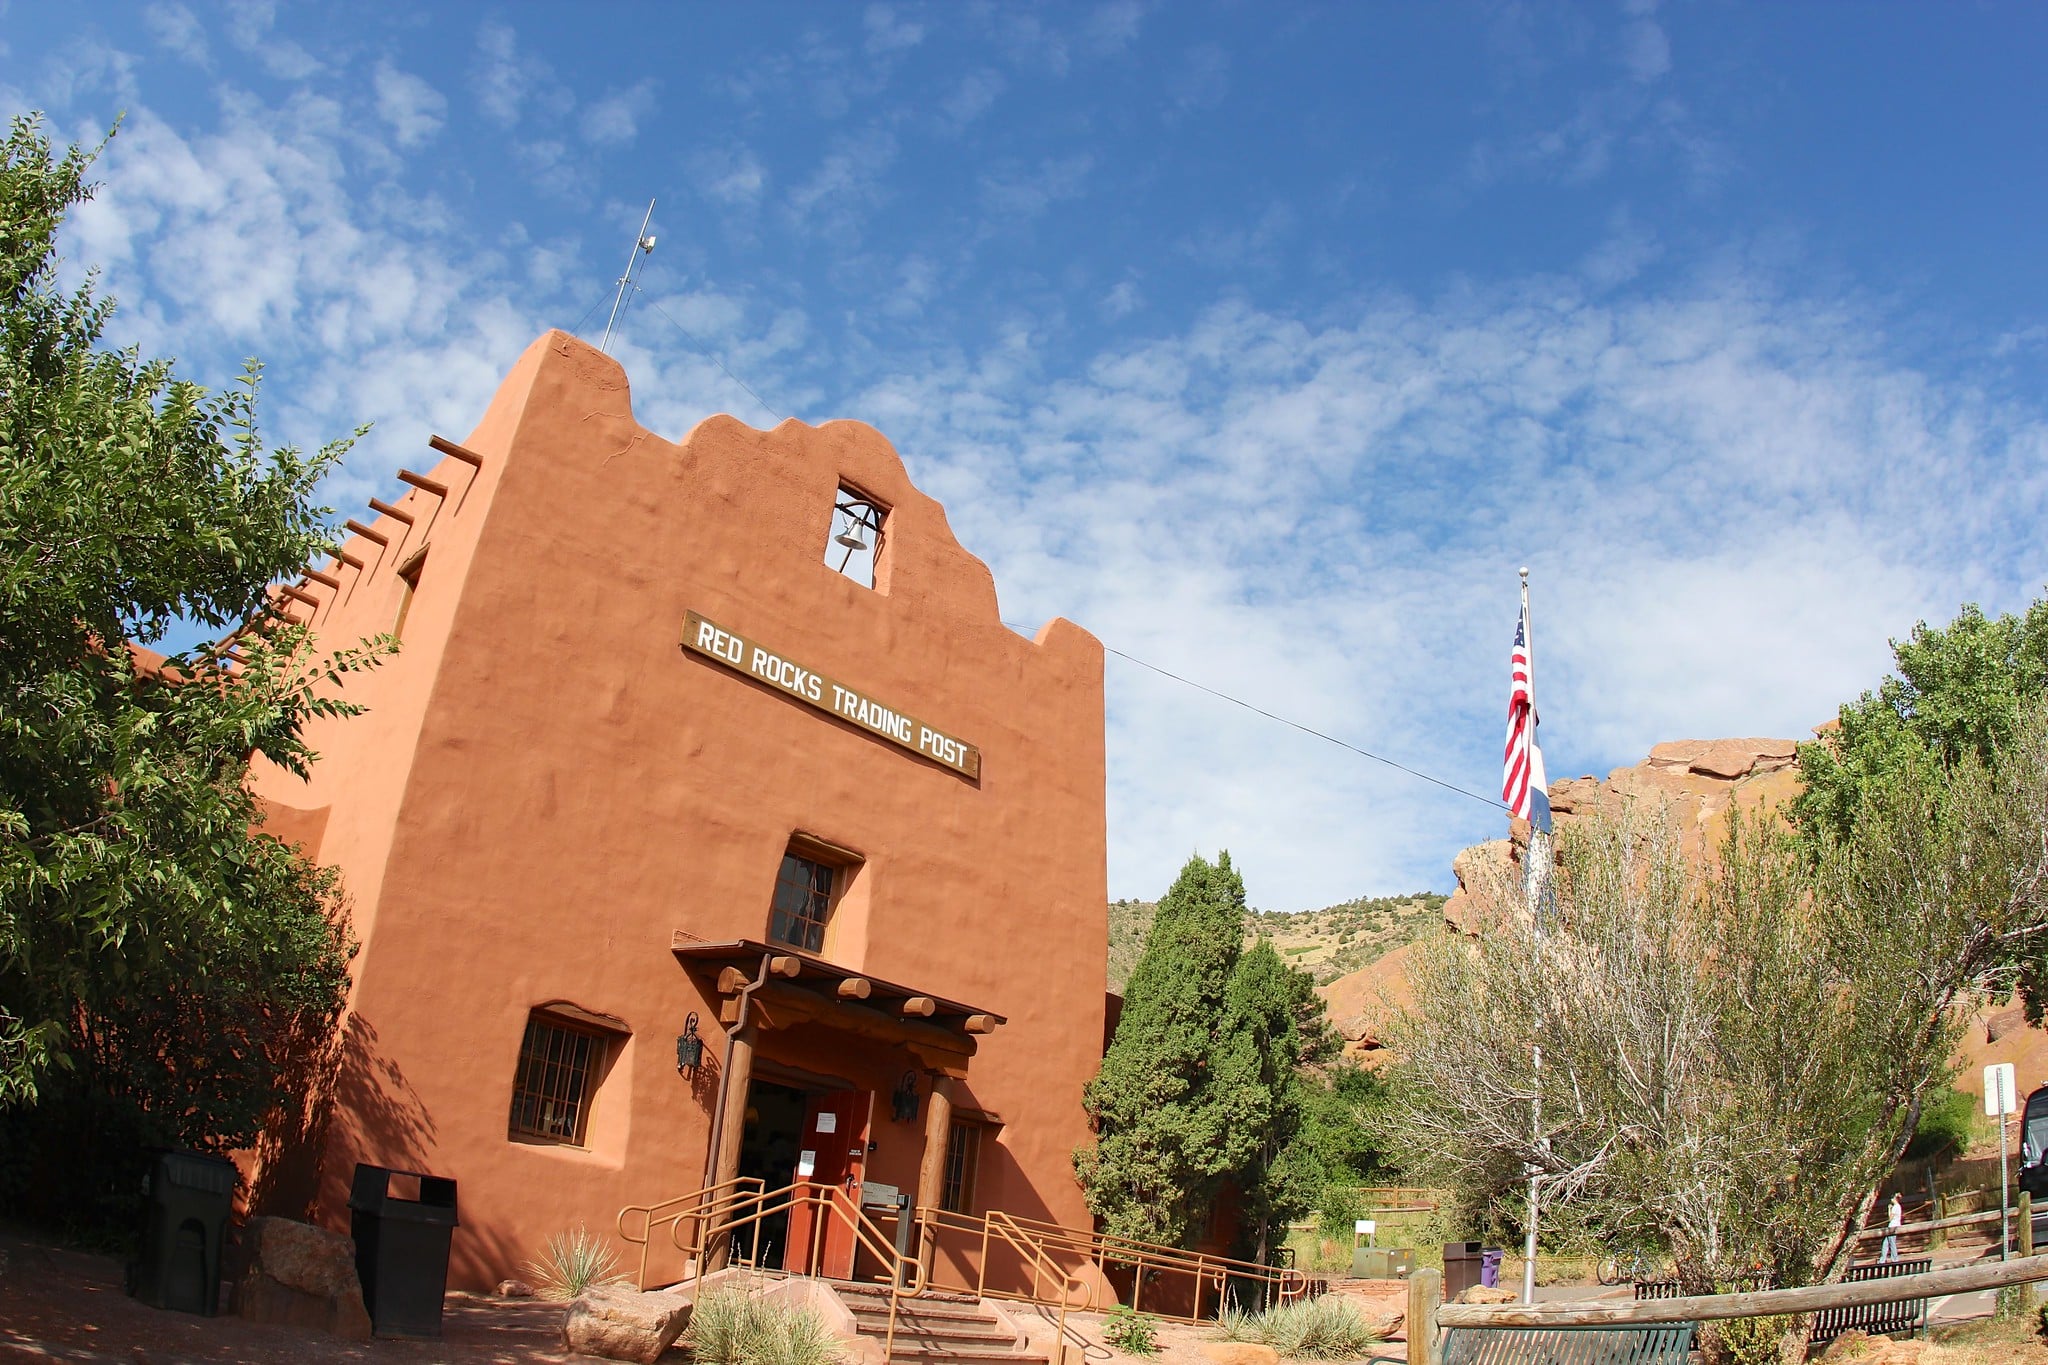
(1425, 1296)
(938, 1128)
(739, 1074)
(2026, 1234)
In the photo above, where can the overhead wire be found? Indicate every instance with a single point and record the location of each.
(1297, 725)
(700, 344)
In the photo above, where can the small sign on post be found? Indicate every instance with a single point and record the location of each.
(2001, 1096)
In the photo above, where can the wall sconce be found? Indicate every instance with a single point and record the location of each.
(689, 1047)
(903, 1103)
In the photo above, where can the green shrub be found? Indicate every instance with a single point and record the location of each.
(1747, 1341)
(1328, 1328)
(1131, 1331)
(572, 1263)
(733, 1327)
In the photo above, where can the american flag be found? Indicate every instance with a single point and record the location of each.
(1522, 783)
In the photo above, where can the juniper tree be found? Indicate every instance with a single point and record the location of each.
(1162, 1129)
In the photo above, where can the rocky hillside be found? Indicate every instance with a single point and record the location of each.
(1326, 943)
(1699, 780)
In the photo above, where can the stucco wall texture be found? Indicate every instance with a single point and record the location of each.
(547, 788)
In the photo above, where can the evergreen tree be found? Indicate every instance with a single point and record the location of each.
(1162, 1129)
(1273, 1027)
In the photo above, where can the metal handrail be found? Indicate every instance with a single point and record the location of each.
(1208, 1272)
(694, 1206)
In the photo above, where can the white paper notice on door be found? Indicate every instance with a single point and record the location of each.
(806, 1165)
(828, 1122)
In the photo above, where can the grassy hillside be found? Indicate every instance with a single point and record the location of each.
(1326, 943)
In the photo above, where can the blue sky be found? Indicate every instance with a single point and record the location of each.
(1266, 341)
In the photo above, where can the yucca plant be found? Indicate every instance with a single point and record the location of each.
(571, 1263)
(1328, 1328)
(733, 1327)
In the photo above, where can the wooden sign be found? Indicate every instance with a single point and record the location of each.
(813, 688)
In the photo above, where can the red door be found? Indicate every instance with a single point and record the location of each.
(833, 1152)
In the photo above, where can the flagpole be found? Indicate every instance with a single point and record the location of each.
(1539, 854)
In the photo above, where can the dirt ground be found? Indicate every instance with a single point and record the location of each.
(58, 1304)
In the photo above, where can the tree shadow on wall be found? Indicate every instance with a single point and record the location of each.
(363, 1109)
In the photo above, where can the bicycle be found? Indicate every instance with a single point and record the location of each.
(1634, 1268)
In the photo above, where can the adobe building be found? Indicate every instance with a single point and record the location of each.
(719, 739)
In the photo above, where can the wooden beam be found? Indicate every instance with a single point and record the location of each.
(856, 988)
(922, 1006)
(980, 1023)
(1760, 1303)
(729, 1011)
(367, 533)
(379, 505)
(785, 966)
(423, 483)
(463, 453)
(346, 558)
(730, 980)
(299, 594)
(327, 578)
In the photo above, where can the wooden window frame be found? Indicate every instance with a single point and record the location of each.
(961, 1172)
(568, 1077)
(838, 864)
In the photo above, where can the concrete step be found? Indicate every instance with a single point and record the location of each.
(946, 1355)
(942, 1330)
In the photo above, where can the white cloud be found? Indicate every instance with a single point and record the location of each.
(614, 120)
(972, 96)
(889, 34)
(414, 109)
(177, 28)
(732, 176)
(1645, 50)
(249, 28)
(848, 180)
(1015, 192)
(510, 84)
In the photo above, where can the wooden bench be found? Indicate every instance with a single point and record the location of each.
(1604, 1344)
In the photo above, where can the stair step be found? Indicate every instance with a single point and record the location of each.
(946, 1355)
(922, 1309)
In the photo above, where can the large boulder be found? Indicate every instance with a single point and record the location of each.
(301, 1276)
(619, 1322)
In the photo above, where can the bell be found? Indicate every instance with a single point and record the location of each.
(850, 538)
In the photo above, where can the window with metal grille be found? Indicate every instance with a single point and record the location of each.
(803, 902)
(963, 1159)
(558, 1066)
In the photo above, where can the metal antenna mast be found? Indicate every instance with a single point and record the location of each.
(642, 244)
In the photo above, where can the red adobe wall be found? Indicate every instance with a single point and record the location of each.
(549, 787)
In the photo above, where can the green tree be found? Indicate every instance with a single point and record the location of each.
(1958, 695)
(1273, 1027)
(1161, 1129)
(161, 959)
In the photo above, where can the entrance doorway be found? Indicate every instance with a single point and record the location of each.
(768, 1152)
(819, 1136)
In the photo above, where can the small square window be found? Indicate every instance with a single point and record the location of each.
(854, 545)
(559, 1066)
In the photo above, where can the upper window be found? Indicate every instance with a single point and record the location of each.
(803, 902)
(854, 546)
(560, 1064)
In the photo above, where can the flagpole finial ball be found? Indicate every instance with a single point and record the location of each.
(1525, 571)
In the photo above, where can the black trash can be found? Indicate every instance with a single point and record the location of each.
(190, 1198)
(402, 1248)
(1489, 1266)
(1461, 1268)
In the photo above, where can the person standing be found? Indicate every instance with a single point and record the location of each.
(1894, 1219)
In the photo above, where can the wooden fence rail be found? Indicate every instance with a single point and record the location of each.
(1760, 1303)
